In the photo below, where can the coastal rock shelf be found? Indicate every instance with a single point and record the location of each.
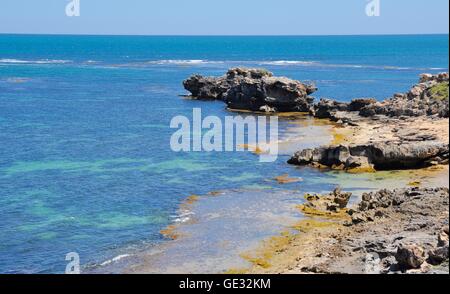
(254, 90)
(407, 131)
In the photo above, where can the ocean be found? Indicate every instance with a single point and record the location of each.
(85, 161)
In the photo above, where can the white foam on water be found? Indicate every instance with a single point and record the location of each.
(115, 259)
(184, 62)
(288, 62)
(40, 61)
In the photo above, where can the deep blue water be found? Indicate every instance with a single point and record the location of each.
(85, 163)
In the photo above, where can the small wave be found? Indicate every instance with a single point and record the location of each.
(183, 217)
(184, 62)
(115, 259)
(41, 61)
(343, 65)
(288, 62)
(17, 80)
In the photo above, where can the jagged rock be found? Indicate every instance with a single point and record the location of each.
(438, 255)
(410, 256)
(354, 162)
(253, 89)
(333, 202)
(326, 107)
(443, 238)
(358, 104)
(429, 97)
(341, 198)
(252, 73)
(206, 88)
(372, 204)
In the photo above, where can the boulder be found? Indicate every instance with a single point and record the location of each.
(358, 104)
(438, 255)
(410, 256)
(326, 107)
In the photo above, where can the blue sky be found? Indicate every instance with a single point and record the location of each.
(230, 17)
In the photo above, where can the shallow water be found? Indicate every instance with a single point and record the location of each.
(85, 163)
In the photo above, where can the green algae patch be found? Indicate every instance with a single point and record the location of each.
(268, 254)
(308, 225)
(99, 166)
(47, 236)
(361, 170)
(415, 184)
(258, 261)
(245, 176)
(440, 91)
(262, 257)
(187, 165)
(236, 271)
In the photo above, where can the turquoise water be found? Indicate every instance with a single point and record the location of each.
(85, 163)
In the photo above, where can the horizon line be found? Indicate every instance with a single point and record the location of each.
(225, 35)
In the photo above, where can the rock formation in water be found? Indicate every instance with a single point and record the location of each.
(254, 90)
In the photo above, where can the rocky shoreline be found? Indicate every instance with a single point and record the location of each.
(389, 231)
(407, 131)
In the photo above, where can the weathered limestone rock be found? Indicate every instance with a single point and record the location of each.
(254, 90)
(429, 97)
(381, 156)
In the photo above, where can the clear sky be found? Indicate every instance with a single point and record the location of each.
(224, 17)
